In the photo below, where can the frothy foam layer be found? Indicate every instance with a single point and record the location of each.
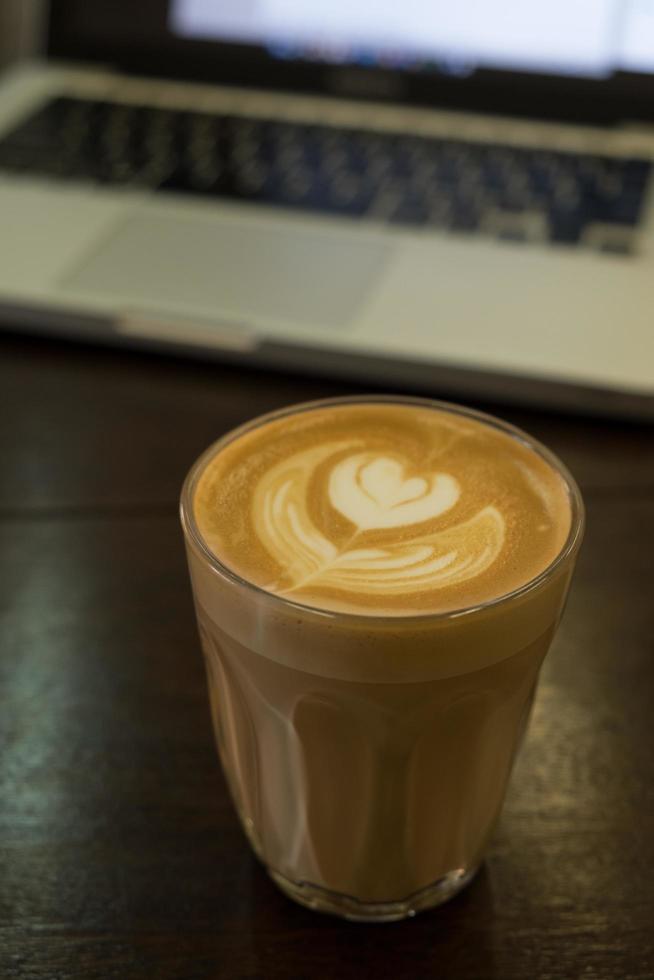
(382, 508)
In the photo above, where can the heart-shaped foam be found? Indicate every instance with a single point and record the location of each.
(372, 492)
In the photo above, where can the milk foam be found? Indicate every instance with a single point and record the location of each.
(382, 508)
(374, 492)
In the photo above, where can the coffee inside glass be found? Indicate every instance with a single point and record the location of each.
(377, 582)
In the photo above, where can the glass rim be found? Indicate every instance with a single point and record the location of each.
(194, 536)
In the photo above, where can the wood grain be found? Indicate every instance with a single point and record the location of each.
(120, 855)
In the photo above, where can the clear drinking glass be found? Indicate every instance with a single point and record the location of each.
(369, 786)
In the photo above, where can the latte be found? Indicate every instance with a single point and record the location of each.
(376, 585)
(382, 508)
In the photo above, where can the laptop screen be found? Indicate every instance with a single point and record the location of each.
(586, 38)
(583, 60)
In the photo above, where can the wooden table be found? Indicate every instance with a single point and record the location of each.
(120, 854)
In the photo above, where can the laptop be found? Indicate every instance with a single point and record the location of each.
(452, 197)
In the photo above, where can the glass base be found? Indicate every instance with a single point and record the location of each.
(322, 900)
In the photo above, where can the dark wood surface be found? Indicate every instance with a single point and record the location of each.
(120, 854)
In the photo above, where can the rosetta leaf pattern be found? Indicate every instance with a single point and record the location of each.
(371, 492)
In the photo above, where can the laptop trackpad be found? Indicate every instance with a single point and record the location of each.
(253, 271)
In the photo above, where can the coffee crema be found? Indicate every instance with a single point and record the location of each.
(382, 508)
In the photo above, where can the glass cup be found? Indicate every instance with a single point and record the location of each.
(369, 784)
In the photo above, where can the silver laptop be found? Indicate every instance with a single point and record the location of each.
(452, 196)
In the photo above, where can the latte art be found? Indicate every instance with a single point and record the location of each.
(382, 508)
(373, 494)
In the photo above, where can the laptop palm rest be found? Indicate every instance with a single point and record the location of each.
(253, 271)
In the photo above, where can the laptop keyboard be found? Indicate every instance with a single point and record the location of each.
(508, 192)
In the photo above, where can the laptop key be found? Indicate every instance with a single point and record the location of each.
(410, 211)
(565, 227)
(465, 216)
